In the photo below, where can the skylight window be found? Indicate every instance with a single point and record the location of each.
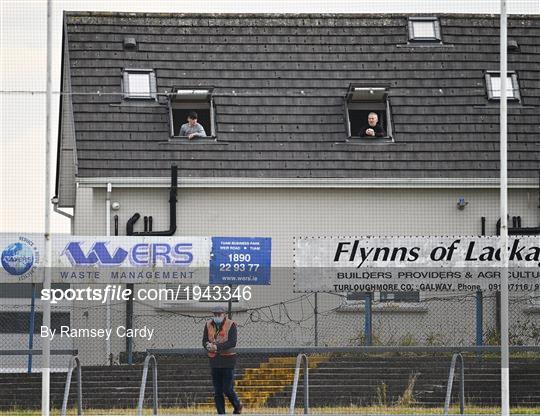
(139, 84)
(367, 113)
(496, 87)
(185, 101)
(493, 86)
(424, 29)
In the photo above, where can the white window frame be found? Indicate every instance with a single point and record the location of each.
(152, 84)
(193, 99)
(370, 98)
(422, 20)
(376, 299)
(384, 306)
(511, 76)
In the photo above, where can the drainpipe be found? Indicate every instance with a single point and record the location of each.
(172, 212)
(54, 202)
(108, 302)
(149, 232)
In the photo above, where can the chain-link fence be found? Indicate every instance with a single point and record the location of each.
(404, 370)
(284, 101)
(298, 320)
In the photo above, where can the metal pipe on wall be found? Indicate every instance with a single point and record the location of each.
(31, 327)
(45, 342)
(108, 302)
(505, 371)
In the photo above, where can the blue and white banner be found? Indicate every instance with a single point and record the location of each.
(240, 260)
(130, 259)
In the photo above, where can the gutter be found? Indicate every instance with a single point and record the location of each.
(249, 182)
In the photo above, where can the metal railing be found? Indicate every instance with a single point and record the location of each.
(25, 352)
(74, 362)
(351, 349)
(301, 356)
(147, 361)
(455, 357)
(299, 359)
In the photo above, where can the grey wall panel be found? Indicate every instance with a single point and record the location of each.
(284, 213)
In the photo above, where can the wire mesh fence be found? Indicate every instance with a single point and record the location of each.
(282, 160)
(298, 320)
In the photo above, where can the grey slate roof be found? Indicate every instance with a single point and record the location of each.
(279, 83)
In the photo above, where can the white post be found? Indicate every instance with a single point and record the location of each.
(45, 342)
(505, 371)
(108, 305)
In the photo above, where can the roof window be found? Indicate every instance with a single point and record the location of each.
(424, 29)
(493, 86)
(186, 101)
(367, 113)
(139, 84)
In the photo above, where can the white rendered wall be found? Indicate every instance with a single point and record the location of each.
(284, 213)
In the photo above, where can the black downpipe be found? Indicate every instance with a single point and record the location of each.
(483, 221)
(516, 222)
(148, 232)
(129, 323)
(116, 224)
(172, 211)
(131, 224)
(531, 231)
(512, 231)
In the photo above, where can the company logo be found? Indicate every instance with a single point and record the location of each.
(19, 258)
(140, 254)
(98, 254)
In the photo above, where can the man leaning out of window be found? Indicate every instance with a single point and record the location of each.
(373, 128)
(192, 129)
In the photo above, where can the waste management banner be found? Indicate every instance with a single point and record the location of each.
(137, 259)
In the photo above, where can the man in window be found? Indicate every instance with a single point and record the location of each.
(373, 128)
(219, 340)
(192, 129)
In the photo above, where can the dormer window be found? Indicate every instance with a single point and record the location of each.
(368, 113)
(424, 29)
(185, 101)
(139, 84)
(493, 86)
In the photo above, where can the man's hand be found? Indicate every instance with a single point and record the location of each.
(211, 347)
(370, 132)
(192, 136)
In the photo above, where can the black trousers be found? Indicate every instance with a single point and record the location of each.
(223, 380)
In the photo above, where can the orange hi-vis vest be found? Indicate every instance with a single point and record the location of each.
(221, 337)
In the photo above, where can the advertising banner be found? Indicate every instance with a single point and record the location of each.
(413, 263)
(136, 259)
(238, 260)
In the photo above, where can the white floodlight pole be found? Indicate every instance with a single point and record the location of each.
(45, 341)
(108, 306)
(505, 371)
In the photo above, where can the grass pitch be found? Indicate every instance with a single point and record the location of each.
(353, 410)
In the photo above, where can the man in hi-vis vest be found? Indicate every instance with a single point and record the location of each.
(219, 340)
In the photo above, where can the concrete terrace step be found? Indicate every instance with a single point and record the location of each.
(335, 380)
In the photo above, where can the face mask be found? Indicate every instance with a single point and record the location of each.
(218, 320)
